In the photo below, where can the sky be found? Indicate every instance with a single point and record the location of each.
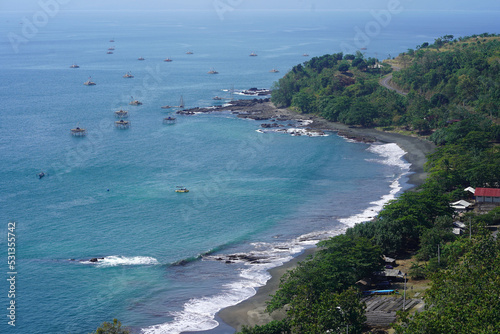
(310, 5)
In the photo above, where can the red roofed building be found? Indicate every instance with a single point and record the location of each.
(487, 195)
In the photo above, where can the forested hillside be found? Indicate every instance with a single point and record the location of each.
(447, 81)
(453, 98)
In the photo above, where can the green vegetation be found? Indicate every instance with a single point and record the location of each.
(465, 296)
(319, 294)
(460, 80)
(111, 328)
(454, 98)
(402, 223)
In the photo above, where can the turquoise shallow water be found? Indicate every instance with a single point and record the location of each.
(111, 194)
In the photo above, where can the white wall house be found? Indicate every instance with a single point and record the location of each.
(487, 195)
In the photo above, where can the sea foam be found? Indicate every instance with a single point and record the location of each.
(114, 261)
(199, 314)
(392, 155)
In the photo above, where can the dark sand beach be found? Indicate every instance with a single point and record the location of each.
(251, 312)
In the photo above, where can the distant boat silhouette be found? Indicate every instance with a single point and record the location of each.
(135, 102)
(89, 82)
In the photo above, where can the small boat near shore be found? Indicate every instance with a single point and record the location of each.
(212, 71)
(181, 189)
(274, 71)
(181, 104)
(168, 60)
(128, 75)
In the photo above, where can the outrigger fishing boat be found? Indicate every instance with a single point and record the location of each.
(181, 189)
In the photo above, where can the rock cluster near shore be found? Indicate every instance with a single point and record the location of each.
(251, 312)
(265, 110)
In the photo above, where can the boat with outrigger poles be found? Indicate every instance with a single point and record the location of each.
(181, 104)
(181, 189)
(78, 132)
(135, 102)
(169, 120)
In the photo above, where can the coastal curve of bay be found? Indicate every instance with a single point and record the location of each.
(252, 312)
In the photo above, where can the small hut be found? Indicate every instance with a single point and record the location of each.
(78, 132)
(121, 124)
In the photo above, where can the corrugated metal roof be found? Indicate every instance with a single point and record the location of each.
(487, 192)
(461, 203)
(470, 189)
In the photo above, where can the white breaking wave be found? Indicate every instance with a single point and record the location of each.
(376, 206)
(199, 314)
(114, 261)
(392, 155)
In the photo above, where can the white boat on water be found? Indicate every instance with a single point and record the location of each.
(89, 82)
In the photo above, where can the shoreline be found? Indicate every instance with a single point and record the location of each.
(251, 312)
(264, 110)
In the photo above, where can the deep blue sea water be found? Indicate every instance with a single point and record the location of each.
(111, 193)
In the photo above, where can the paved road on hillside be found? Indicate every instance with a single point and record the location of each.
(385, 81)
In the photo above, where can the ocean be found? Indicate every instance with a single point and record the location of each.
(168, 262)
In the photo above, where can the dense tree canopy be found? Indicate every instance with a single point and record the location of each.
(465, 297)
(446, 80)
